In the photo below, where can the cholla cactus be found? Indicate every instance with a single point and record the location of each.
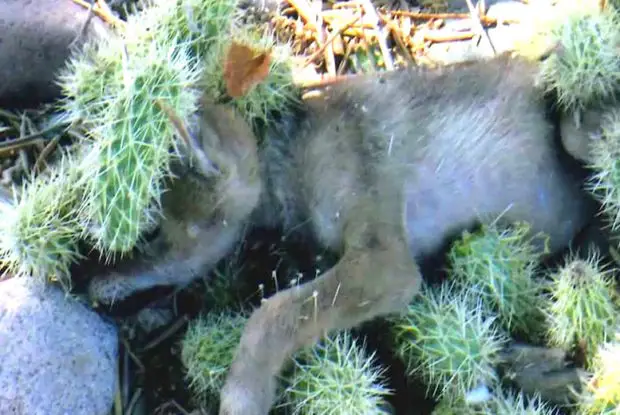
(499, 265)
(605, 153)
(507, 403)
(132, 133)
(133, 146)
(125, 88)
(585, 69)
(602, 391)
(90, 79)
(336, 376)
(199, 24)
(207, 351)
(500, 403)
(39, 233)
(207, 28)
(93, 76)
(276, 93)
(581, 309)
(447, 338)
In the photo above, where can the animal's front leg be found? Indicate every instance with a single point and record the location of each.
(375, 277)
(174, 263)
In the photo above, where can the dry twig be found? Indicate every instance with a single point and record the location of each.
(333, 36)
(102, 11)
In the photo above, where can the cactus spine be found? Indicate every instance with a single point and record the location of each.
(500, 266)
(447, 338)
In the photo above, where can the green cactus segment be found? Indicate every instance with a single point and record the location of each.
(199, 24)
(133, 146)
(499, 265)
(207, 351)
(447, 338)
(207, 29)
(39, 233)
(507, 403)
(336, 376)
(93, 76)
(115, 87)
(276, 93)
(585, 69)
(605, 182)
(91, 79)
(601, 394)
(581, 310)
(500, 403)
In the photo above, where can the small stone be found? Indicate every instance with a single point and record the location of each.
(58, 356)
(35, 43)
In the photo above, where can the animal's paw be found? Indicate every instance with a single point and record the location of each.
(110, 288)
(247, 396)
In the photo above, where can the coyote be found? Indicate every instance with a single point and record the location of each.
(379, 168)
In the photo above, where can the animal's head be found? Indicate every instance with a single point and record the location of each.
(208, 202)
(223, 180)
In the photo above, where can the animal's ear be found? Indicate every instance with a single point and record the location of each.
(198, 156)
(225, 135)
(578, 130)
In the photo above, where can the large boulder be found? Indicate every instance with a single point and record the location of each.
(35, 41)
(57, 357)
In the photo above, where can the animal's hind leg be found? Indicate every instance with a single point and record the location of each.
(376, 276)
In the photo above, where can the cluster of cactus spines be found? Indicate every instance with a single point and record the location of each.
(501, 402)
(39, 233)
(601, 395)
(276, 93)
(117, 87)
(208, 27)
(90, 79)
(585, 68)
(132, 133)
(516, 403)
(500, 266)
(336, 376)
(92, 75)
(207, 351)
(133, 145)
(200, 24)
(604, 183)
(582, 307)
(447, 337)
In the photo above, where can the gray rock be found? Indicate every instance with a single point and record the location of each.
(35, 39)
(544, 371)
(57, 357)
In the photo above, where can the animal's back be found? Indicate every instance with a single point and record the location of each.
(468, 143)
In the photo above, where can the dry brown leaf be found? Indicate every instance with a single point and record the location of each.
(244, 67)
